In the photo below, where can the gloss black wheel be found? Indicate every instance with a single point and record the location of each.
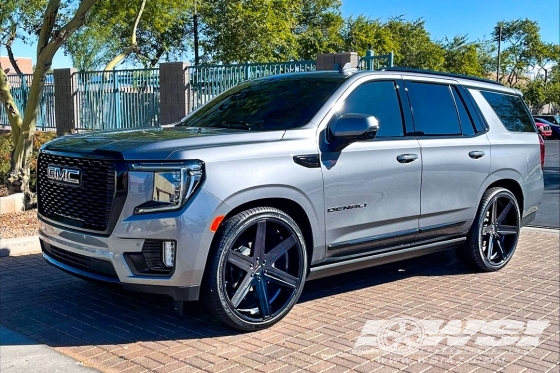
(258, 272)
(493, 237)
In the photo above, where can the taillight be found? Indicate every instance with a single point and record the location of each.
(541, 141)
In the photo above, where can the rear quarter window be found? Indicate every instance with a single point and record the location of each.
(511, 110)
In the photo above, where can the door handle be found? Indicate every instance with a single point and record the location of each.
(475, 154)
(407, 158)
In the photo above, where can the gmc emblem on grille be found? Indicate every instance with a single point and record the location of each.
(63, 175)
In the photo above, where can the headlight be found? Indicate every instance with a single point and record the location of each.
(174, 183)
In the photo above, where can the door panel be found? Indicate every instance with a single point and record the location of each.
(455, 161)
(451, 180)
(386, 194)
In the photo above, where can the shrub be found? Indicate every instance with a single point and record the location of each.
(6, 147)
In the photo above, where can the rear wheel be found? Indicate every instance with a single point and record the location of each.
(493, 237)
(257, 271)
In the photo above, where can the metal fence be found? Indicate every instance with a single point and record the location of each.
(117, 99)
(131, 98)
(19, 88)
(209, 81)
(373, 62)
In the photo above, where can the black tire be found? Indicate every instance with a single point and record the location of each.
(256, 269)
(493, 237)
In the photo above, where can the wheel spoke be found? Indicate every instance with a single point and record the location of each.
(262, 296)
(242, 290)
(241, 261)
(493, 212)
(504, 212)
(280, 249)
(281, 277)
(490, 247)
(506, 229)
(501, 249)
(260, 239)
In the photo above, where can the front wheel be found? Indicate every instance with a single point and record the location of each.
(257, 269)
(493, 237)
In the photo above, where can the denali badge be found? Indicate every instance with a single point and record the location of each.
(64, 175)
(349, 207)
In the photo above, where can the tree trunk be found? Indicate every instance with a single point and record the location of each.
(23, 130)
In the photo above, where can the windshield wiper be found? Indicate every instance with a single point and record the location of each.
(238, 124)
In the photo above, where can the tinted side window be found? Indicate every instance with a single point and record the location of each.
(433, 109)
(466, 121)
(511, 110)
(379, 99)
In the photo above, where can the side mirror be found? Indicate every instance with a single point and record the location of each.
(350, 128)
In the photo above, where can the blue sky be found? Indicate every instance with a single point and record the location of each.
(475, 18)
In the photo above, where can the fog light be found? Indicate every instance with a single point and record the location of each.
(168, 253)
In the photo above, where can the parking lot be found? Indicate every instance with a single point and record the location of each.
(114, 331)
(549, 212)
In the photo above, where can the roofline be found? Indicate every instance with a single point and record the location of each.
(443, 74)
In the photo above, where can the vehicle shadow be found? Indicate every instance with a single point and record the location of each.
(54, 308)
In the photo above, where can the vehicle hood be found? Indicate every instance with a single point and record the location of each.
(155, 143)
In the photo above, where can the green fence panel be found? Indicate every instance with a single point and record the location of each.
(118, 99)
(372, 62)
(19, 88)
(208, 81)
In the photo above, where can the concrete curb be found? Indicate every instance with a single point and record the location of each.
(19, 246)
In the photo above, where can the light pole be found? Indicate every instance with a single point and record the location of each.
(499, 39)
(195, 32)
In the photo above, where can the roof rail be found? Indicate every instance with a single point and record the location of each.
(439, 73)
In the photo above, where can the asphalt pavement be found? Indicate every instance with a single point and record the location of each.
(549, 211)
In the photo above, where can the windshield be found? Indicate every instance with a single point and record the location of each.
(266, 104)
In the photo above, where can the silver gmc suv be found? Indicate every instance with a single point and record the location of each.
(290, 178)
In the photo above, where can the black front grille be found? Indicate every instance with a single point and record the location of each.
(94, 265)
(87, 205)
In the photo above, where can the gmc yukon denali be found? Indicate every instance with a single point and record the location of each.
(289, 178)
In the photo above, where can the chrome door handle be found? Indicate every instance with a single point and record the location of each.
(475, 154)
(407, 158)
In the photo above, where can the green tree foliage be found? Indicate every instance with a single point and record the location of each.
(163, 29)
(317, 29)
(19, 19)
(415, 48)
(237, 31)
(462, 57)
(361, 33)
(544, 88)
(522, 46)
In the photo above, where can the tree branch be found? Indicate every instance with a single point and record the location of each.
(133, 43)
(75, 23)
(49, 21)
(8, 46)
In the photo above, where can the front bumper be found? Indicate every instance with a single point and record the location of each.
(178, 293)
(188, 227)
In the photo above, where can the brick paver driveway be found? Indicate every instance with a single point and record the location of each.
(116, 331)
